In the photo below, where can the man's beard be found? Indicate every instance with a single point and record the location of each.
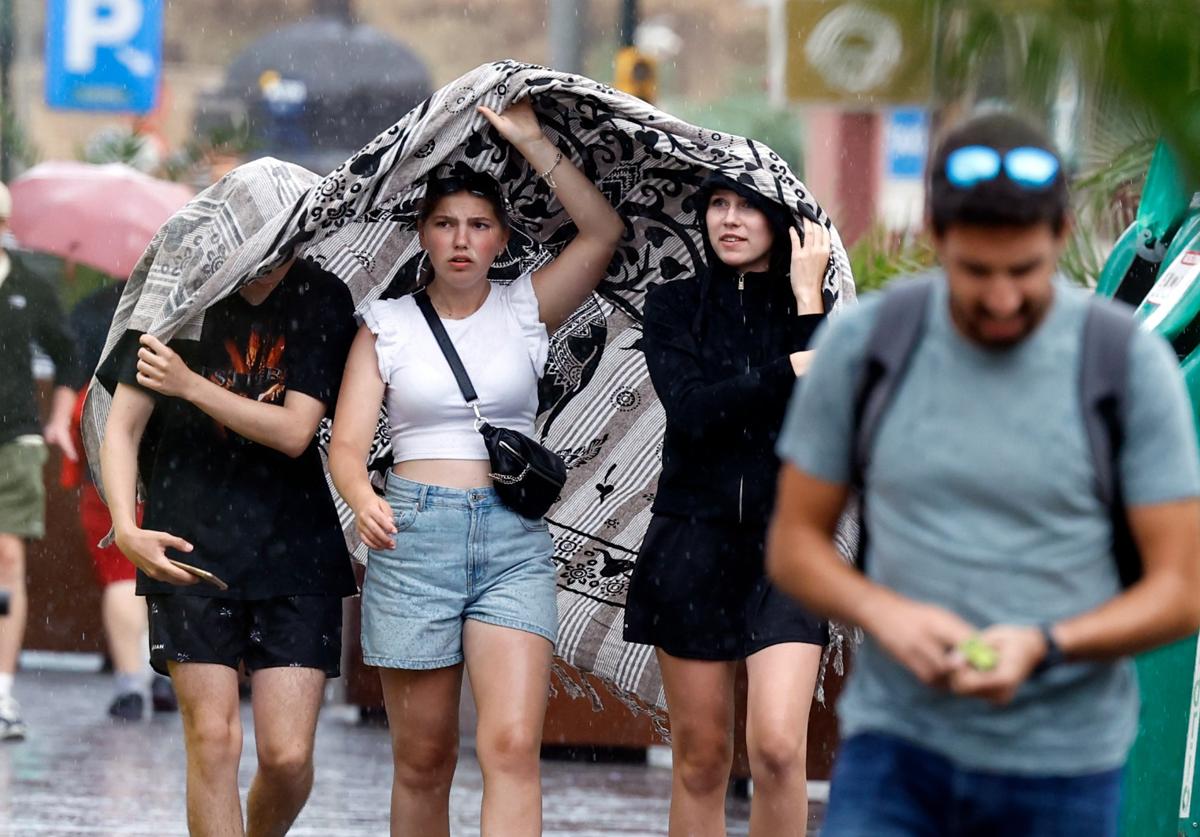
(973, 322)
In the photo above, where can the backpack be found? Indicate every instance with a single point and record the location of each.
(1103, 384)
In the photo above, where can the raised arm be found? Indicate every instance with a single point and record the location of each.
(287, 428)
(353, 429)
(131, 409)
(564, 284)
(810, 258)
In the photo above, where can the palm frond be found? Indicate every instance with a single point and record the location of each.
(880, 256)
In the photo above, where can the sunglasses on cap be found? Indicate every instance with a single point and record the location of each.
(1027, 166)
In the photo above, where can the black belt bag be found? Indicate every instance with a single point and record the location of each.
(527, 475)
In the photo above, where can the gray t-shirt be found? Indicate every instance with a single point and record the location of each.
(981, 499)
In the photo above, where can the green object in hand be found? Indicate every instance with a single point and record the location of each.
(980, 656)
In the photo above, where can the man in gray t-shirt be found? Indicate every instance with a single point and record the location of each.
(985, 525)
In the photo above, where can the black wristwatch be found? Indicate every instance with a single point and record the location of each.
(1054, 654)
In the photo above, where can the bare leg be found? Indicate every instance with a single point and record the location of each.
(700, 703)
(782, 680)
(12, 579)
(125, 627)
(510, 677)
(422, 709)
(212, 733)
(286, 702)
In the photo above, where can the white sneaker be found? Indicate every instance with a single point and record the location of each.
(12, 727)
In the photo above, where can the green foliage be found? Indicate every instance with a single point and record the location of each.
(1135, 64)
(880, 256)
(1153, 55)
(1132, 55)
(234, 139)
(21, 151)
(1105, 200)
(119, 145)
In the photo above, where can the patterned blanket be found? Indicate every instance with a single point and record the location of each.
(598, 408)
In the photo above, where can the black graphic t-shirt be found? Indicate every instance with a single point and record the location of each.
(259, 519)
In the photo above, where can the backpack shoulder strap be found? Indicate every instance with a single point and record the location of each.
(895, 334)
(1103, 390)
(1103, 384)
(897, 330)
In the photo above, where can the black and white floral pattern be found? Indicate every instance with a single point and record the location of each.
(598, 408)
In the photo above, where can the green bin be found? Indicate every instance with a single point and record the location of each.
(1162, 790)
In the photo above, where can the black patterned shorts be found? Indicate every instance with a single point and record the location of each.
(288, 631)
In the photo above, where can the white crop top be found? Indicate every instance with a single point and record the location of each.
(503, 346)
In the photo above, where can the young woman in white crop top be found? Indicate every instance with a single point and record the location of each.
(455, 577)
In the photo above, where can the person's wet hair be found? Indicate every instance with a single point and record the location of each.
(476, 183)
(997, 170)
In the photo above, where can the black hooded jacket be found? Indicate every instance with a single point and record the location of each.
(717, 349)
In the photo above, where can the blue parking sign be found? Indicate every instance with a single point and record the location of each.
(906, 143)
(103, 54)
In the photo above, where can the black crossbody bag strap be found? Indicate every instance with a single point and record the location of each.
(528, 476)
(447, 347)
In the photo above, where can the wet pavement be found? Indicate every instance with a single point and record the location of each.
(78, 773)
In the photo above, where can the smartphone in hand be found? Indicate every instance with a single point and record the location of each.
(203, 575)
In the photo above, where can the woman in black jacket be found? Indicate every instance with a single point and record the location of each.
(724, 353)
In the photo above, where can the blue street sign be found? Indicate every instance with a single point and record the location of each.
(906, 143)
(103, 54)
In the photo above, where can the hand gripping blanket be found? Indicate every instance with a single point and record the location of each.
(597, 406)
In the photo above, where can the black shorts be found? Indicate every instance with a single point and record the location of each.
(699, 591)
(288, 631)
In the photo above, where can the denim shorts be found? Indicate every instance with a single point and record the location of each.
(460, 554)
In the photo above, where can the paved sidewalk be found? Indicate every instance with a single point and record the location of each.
(78, 773)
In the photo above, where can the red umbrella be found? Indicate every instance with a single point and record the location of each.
(101, 216)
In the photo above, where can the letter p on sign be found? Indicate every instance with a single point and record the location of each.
(92, 24)
(103, 54)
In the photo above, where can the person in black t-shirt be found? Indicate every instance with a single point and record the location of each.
(29, 313)
(124, 614)
(222, 432)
